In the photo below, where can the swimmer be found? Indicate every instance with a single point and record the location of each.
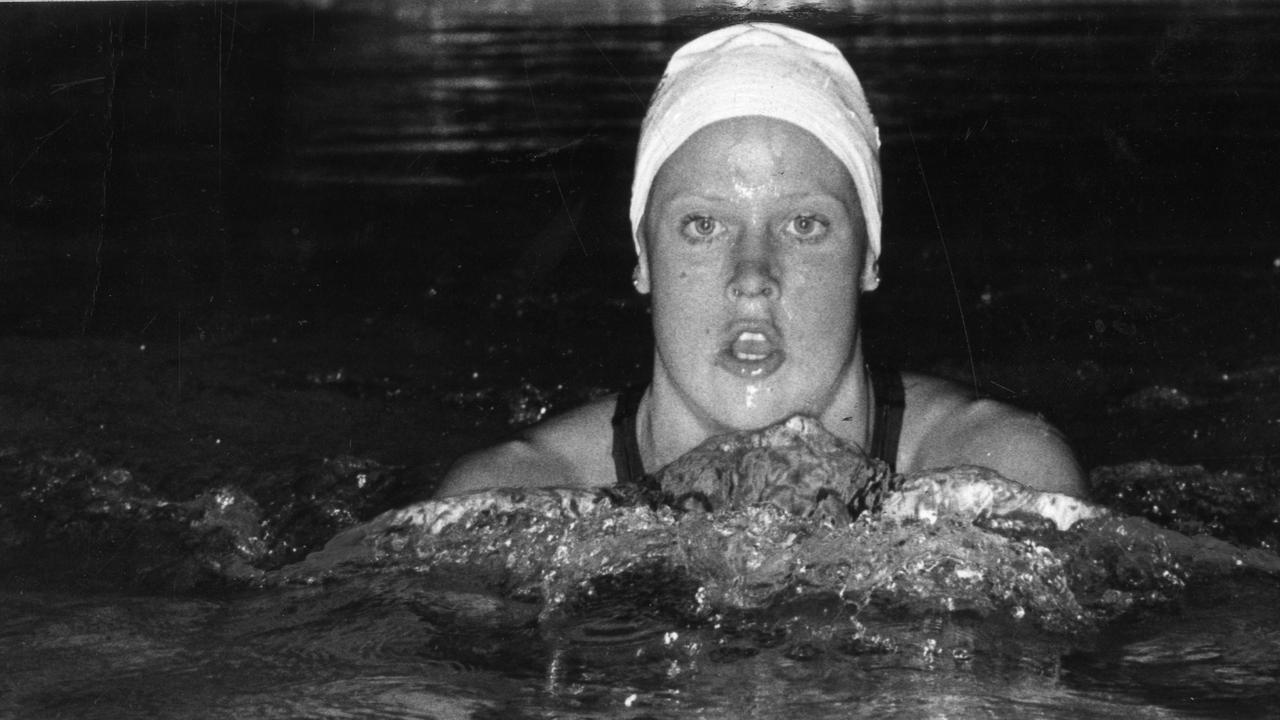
(756, 215)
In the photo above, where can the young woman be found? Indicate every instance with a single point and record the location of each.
(755, 211)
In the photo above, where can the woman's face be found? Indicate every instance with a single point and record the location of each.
(753, 250)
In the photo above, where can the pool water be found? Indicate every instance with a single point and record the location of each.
(340, 245)
(415, 644)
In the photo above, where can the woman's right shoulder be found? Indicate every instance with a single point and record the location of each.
(572, 449)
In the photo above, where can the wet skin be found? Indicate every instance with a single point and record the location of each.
(753, 247)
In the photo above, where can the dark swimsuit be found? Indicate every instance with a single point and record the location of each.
(886, 425)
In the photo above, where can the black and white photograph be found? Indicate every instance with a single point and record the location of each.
(717, 359)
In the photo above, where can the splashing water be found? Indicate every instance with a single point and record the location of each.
(951, 589)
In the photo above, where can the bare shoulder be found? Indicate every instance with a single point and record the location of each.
(573, 449)
(944, 425)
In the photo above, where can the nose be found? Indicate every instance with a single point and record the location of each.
(754, 269)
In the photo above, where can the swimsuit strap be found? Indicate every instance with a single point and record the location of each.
(890, 400)
(626, 446)
(887, 420)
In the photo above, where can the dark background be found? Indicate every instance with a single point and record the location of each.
(399, 229)
(188, 157)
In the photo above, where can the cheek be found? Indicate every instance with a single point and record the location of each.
(832, 275)
(824, 301)
(684, 305)
(679, 278)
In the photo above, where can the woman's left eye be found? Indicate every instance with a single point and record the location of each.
(806, 226)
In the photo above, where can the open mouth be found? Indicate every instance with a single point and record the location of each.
(752, 352)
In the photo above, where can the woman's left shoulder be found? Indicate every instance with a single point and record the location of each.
(945, 425)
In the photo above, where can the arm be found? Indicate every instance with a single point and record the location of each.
(515, 463)
(952, 429)
(569, 450)
(1019, 446)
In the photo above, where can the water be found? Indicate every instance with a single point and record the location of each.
(305, 256)
(399, 642)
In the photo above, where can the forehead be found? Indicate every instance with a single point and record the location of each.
(753, 151)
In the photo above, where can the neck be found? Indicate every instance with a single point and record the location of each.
(667, 426)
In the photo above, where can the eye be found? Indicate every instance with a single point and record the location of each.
(807, 227)
(701, 228)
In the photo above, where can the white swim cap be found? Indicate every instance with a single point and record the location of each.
(770, 70)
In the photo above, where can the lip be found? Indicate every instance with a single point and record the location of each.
(754, 368)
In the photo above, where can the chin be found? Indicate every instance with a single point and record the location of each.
(747, 410)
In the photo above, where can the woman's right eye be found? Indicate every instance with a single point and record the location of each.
(701, 227)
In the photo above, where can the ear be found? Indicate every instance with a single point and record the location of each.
(640, 276)
(870, 274)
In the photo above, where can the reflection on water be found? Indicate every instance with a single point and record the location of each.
(411, 83)
(422, 650)
(256, 152)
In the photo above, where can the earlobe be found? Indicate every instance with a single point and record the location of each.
(640, 275)
(640, 279)
(871, 276)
